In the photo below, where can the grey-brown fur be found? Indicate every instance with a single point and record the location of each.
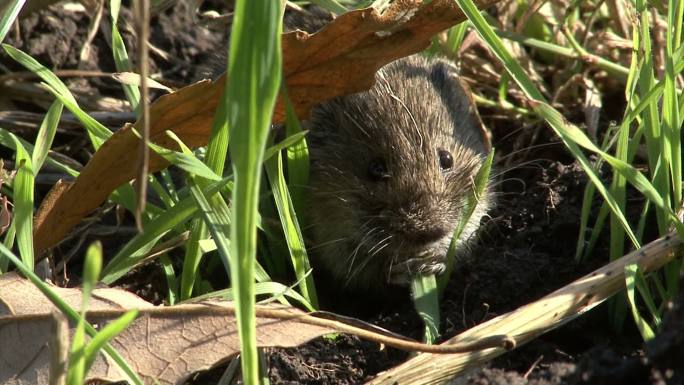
(368, 231)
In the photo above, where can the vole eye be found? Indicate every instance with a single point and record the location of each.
(446, 161)
(377, 169)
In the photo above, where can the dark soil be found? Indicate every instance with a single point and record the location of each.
(526, 248)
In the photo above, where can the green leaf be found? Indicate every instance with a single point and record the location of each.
(254, 70)
(186, 162)
(46, 133)
(96, 131)
(133, 251)
(630, 283)
(10, 11)
(476, 194)
(426, 301)
(111, 330)
(293, 234)
(120, 54)
(23, 203)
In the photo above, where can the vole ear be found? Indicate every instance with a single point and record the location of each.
(449, 77)
(475, 115)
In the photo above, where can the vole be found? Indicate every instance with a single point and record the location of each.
(390, 171)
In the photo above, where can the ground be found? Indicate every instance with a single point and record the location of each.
(525, 249)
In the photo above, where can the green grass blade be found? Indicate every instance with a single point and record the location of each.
(478, 191)
(297, 159)
(215, 159)
(426, 301)
(120, 54)
(671, 121)
(217, 149)
(10, 237)
(285, 143)
(23, 203)
(293, 234)
(650, 120)
(217, 216)
(455, 37)
(331, 5)
(275, 289)
(46, 133)
(638, 180)
(171, 279)
(43, 72)
(10, 11)
(77, 368)
(630, 283)
(91, 272)
(96, 131)
(192, 258)
(133, 251)
(8, 140)
(186, 162)
(111, 330)
(255, 67)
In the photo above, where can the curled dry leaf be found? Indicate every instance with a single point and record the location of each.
(340, 59)
(164, 344)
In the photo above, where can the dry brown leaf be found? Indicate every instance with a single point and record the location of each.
(340, 59)
(166, 344)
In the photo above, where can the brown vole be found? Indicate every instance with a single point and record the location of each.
(390, 171)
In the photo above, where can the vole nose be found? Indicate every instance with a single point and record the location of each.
(427, 235)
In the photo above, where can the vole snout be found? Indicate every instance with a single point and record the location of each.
(418, 224)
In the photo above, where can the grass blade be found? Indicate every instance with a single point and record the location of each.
(255, 67)
(96, 131)
(630, 283)
(91, 272)
(291, 229)
(426, 301)
(133, 251)
(476, 194)
(120, 54)
(111, 330)
(23, 203)
(9, 14)
(297, 159)
(46, 133)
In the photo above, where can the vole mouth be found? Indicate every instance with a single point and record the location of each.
(429, 260)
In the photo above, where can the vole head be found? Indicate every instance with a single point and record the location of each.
(390, 171)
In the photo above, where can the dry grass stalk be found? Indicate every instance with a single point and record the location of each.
(534, 319)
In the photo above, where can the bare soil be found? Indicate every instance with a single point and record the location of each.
(526, 247)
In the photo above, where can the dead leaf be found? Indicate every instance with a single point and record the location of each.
(165, 343)
(340, 59)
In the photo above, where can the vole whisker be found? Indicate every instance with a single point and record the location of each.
(327, 243)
